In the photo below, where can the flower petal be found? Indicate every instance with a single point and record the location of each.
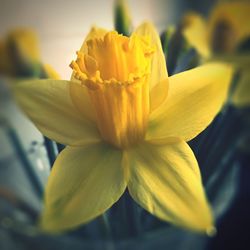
(159, 75)
(195, 97)
(164, 181)
(84, 183)
(195, 32)
(49, 106)
(50, 72)
(81, 99)
(79, 93)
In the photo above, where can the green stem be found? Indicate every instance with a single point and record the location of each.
(51, 150)
(60, 147)
(106, 231)
(26, 164)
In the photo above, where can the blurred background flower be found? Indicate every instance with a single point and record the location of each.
(20, 56)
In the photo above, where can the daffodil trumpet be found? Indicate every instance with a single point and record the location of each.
(125, 124)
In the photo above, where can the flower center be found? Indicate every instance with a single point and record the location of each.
(224, 37)
(115, 70)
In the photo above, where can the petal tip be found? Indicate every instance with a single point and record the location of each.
(207, 224)
(211, 231)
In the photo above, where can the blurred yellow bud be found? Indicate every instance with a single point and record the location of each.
(5, 64)
(19, 54)
(123, 21)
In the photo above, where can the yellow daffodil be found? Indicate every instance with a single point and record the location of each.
(20, 56)
(226, 28)
(220, 38)
(125, 124)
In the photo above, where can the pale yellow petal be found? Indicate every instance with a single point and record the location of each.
(195, 32)
(95, 32)
(241, 96)
(84, 183)
(80, 94)
(81, 99)
(235, 14)
(48, 104)
(195, 97)
(165, 180)
(50, 72)
(159, 75)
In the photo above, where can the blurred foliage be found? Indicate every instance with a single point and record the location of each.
(122, 20)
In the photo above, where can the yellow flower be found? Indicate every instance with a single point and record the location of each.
(19, 52)
(20, 56)
(220, 37)
(125, 124)
(226, 28)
